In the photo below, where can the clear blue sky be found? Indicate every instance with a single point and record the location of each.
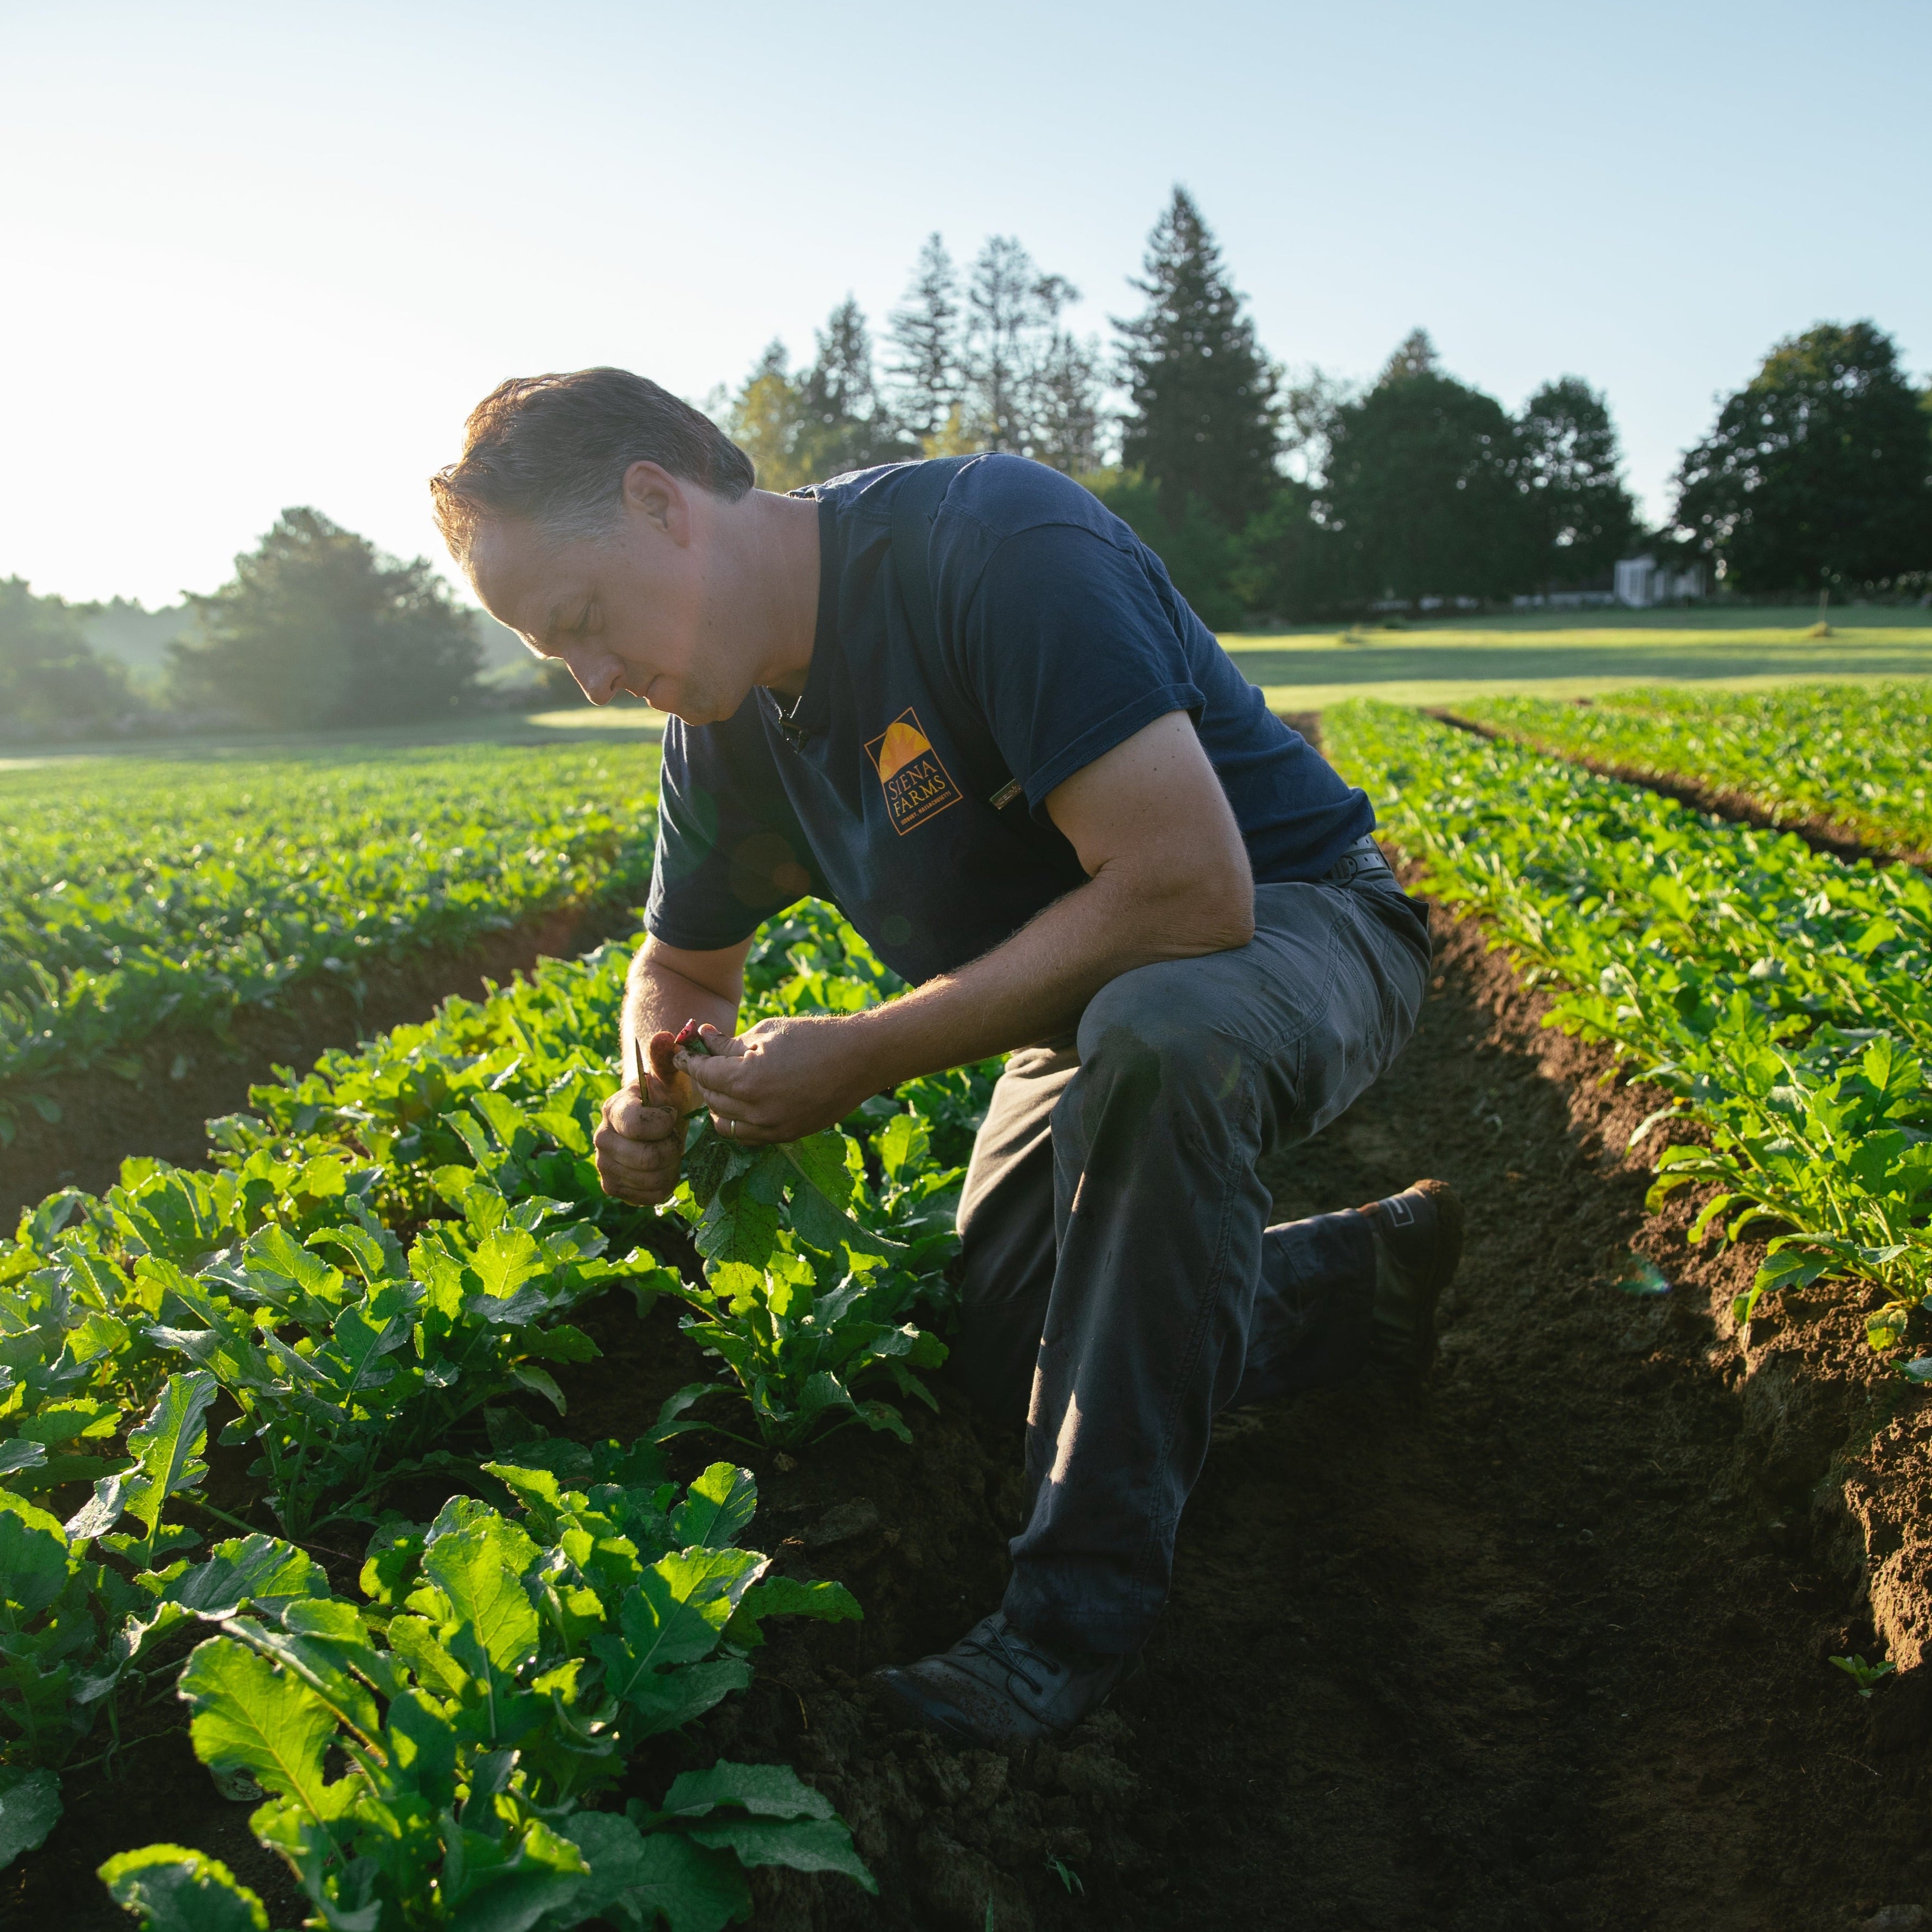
(261, 254)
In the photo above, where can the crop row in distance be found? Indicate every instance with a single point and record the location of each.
(137, 895)
(1855, 756)
(1781, 997)
(380, 1267)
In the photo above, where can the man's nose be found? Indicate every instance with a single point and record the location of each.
(596, 674)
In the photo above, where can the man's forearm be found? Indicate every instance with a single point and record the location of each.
(1038, 982)
(657, 998)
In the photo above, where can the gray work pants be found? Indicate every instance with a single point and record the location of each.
(1119, 1286)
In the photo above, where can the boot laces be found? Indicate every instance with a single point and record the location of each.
(1007, 1647)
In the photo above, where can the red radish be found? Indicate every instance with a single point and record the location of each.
(690, 1040)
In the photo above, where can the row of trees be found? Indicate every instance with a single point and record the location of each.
(977, 363)
(317, 627)
(1301, 498)
(1267, 496)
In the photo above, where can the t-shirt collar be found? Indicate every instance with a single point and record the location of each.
(812, 712)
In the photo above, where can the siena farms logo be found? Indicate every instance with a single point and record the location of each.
(916, 785)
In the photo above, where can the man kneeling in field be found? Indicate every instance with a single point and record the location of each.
(962, 700)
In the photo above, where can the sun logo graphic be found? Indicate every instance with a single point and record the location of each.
(916, 785)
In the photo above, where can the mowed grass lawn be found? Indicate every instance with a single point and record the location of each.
(1543, 654)
(1549, 654)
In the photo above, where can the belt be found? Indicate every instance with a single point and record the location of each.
(1364, 856)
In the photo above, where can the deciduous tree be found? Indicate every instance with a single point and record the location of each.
(1818, 471)
(765, 419)
(318, 627)
(52, 680)
(1421, 488)
(1581, 518)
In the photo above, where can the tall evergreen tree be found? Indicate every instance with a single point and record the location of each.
(843, 424)
(1414, 354)
(1064, 405)
(1007, 300)
(1204, 422)
(1818, 471)
(927, 384)
(1581, 517)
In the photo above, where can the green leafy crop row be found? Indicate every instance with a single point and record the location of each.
(1854, 755)
(382, 1264)
(132, 896)
(1782, 998)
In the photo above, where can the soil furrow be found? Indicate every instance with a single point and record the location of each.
(1822, 835)
(1547, 1649)
(189, 1078)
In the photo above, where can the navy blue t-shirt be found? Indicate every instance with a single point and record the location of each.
(1058, 636)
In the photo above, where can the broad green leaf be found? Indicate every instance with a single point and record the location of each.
(480, 1569)
(717, 1509)
(248, 1716)
(637, 1879)
(820, 1160)
(20, 1454)
(66, 1421)
(244, 1570)
(1790, 1269)
(673, 1616)
(903, 1142)
(323, 1667)
(670, 1699)
(30, 1807)
(786, 1596)
(413, 1638)
(173, 1888)
(742, 1222)
(168, 1444)
(544, 1873)
(540, 1382)
(804, 1844)
(536, 1489)
(361, 1247)
(422, 1748)
(34, 1561)
(507, 1258)
(824, 1226)
(765, 1790)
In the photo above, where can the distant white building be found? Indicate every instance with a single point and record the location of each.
(1643, 580)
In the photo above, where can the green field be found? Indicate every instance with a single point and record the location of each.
(579, 725)
(1536, 653)
(1545, 654)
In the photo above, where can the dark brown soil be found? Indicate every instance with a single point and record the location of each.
(189, 1078)
(1840, 842)
(1547, 1648)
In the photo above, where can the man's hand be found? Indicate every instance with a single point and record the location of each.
(784, 1078)
(641, 1139)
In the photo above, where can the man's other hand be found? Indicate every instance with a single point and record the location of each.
(641, 1140)
(782, 1079)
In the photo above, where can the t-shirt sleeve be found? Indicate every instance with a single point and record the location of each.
(1068, 647)
(730, 852)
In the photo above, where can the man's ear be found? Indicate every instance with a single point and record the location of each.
(651, 491)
